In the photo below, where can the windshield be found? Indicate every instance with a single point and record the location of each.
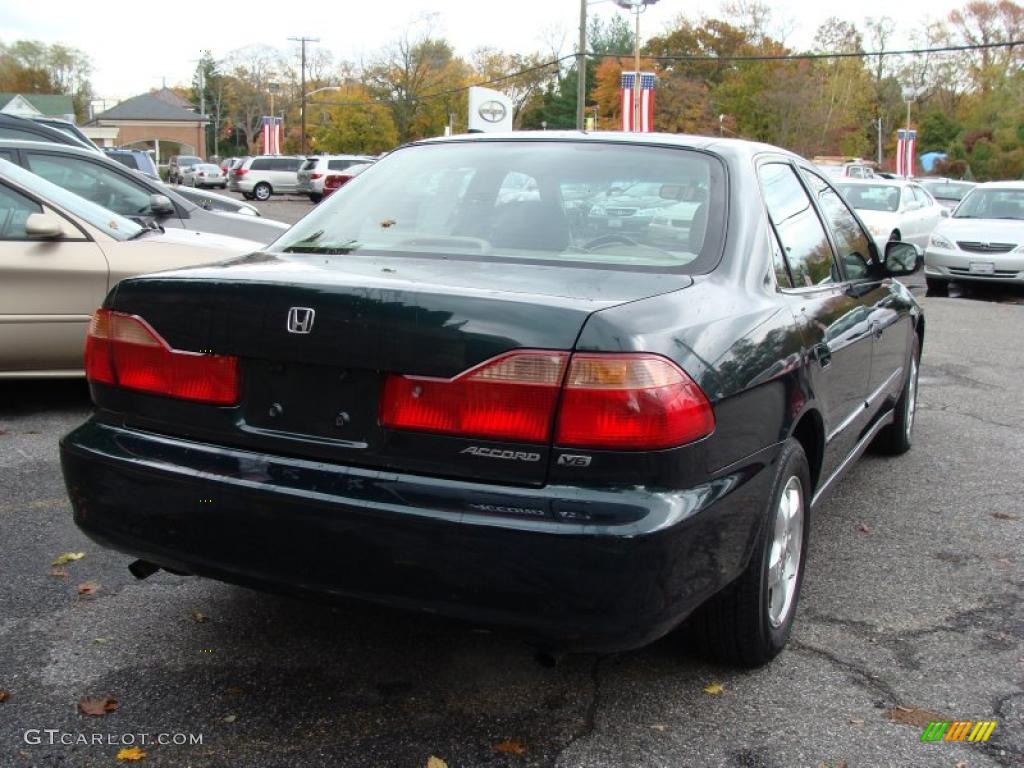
(189, 160)
(577, 203)
(111, 223)
(992, 204)
(946, 190)
(871, 197)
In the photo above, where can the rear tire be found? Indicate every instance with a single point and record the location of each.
(262, 191)
(315, 198)
(937, 287)
(898, 437)
(748, 623)
(248, 196)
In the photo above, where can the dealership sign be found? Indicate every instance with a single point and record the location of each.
(489, 110)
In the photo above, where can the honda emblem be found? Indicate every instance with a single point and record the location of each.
(300, 319)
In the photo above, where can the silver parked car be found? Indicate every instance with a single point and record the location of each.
(265, 175)
(316, 168)
(205, 175)
(106, 182)
(983, 242)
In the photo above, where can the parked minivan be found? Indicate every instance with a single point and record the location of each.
(315, 169)
(265, 175)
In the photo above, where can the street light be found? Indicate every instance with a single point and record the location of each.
(637, 7)
(910, 94)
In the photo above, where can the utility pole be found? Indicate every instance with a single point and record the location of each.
(302, 77)
(879, 143)
(581, 67)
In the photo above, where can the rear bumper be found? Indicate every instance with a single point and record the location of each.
(569, 567)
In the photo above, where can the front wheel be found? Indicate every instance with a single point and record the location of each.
(897, 437)
(937, 287)
(748, 623)
(262, 191)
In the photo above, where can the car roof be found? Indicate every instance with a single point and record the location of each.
(717, 145)
(879, 182)
(1010, 184)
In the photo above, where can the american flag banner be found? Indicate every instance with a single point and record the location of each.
(647, 81)
(273, 128)
(906, 150)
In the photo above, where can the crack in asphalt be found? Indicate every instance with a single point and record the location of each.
(861, 676)
(966, 414)
(590, 716)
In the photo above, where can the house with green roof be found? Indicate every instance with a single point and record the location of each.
(38, 105)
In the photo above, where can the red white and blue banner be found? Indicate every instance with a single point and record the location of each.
(647, 81)
(272, 135)
(906, 151)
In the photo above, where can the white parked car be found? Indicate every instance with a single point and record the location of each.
(59, 256)
(204, 175)
(894, 209)
(983, 241)
(316, 168)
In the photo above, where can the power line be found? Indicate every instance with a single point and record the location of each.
(834, 55)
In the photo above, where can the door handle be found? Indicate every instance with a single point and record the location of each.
(822, 354)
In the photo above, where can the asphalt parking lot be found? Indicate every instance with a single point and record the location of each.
(911, 612)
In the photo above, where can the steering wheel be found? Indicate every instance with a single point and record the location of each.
(611, 239)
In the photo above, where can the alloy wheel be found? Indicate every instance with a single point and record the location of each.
(784, 559)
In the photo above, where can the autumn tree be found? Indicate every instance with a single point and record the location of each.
(352, 123)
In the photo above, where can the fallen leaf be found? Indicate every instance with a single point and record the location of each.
(919, 718)
(4, 695)
(961, 764)
(130, 754)
(1003, 516)
(199, 617)
(58, 572)
(101, 640)
(88, 588)
(856, 721)
(864, 528)
(230, 718)
(714, 688)
(68, 557)
(97, 707)
(3, 432)
(659, 727)
(436, 762)
(509, 747)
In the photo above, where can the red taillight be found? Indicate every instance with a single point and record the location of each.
(629, 402)
(240, 171)
(124, 351)
(336, 180)
(611, 401)
(316, 175)
(202, 173)
(511, 397)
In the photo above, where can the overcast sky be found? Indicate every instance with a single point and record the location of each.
(132, 54)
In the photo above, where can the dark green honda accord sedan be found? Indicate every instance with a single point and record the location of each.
(471, 383)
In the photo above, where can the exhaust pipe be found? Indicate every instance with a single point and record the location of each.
(143, 569)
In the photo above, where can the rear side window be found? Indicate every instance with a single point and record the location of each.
(285, 163)
(261, 164)
(597, 204)
(800, 231)
(340, 165)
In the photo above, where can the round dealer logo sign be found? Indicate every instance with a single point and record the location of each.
(492, 111)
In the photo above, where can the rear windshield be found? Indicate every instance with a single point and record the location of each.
(575, 203)
(871, 197)
(189, 160)
(125, 158)
(947, 190)
(310, 164)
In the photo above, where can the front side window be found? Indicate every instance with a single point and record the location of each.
(15, 209)
(92, 181)
(577, 203)
(854, 246)
(801, 232)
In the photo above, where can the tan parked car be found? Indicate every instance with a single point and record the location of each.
(59, 255)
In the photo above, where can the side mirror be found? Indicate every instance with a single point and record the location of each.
(945, 213)
(902, 258)
(44, 226)
(161, 204)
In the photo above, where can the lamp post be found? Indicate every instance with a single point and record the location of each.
(637, 7)
(909, 96)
